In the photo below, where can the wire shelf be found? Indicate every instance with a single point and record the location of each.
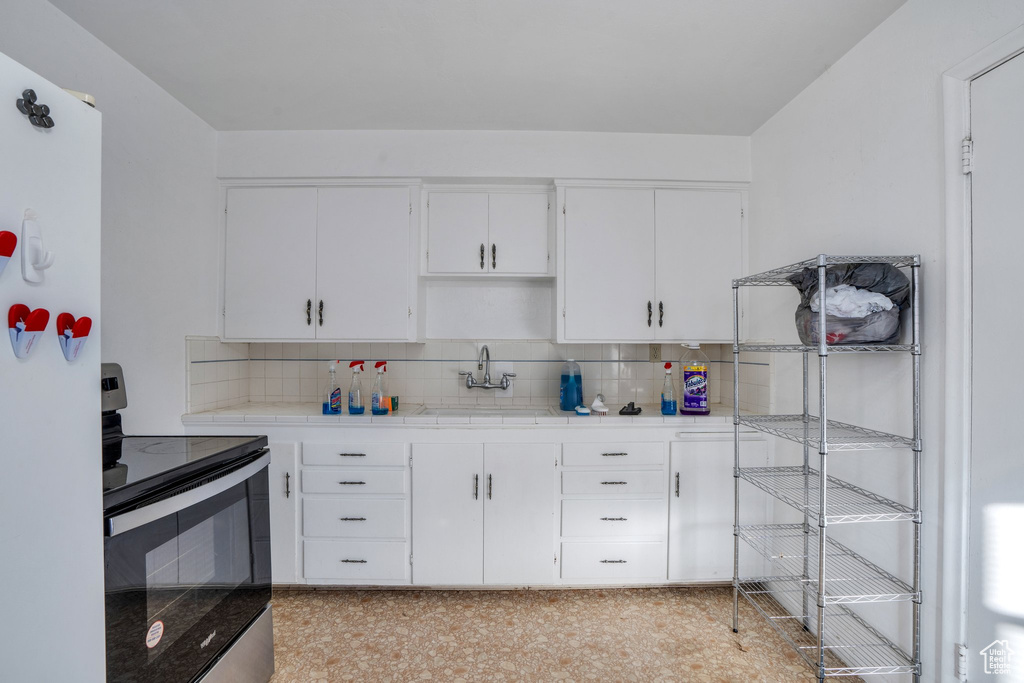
(832, 348)
(780, 276)
(852, 646)
(850, 578)
(839, 436)
(845, 502)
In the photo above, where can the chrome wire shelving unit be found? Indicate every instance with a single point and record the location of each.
(812, 580)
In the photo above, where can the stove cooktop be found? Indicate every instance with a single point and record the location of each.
(148, 463)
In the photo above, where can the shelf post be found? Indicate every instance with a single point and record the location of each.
(736, 457)
(823, 452)
(917, 448)
(807, 487)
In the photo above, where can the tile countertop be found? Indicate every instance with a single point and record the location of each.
(297, 413)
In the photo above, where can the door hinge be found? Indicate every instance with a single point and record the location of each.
(960, 661)
(410, 559)
(410, 208)
(563, 311)
(741, 212)
(967, 156)
(549, 205)
(563, 209)
(225, 208)
(410, 311)
(556, 559)
(410, 462)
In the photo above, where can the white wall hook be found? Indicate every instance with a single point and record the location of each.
(34, 256)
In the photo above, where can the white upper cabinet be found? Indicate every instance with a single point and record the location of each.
(268, 276)
(609, 259)
(699, 252)
(332, 263)
(646, 264)
(479, 232)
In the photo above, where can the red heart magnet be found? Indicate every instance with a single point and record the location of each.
(26, 327)
(72, 334)
(8, 241)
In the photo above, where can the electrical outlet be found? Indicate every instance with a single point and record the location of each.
(655, 353)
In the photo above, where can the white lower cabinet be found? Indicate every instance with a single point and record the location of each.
(614, 562)
(283, 506)
(483, 514)
(701, 507)
(356, 561)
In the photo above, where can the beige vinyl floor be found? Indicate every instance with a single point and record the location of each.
(643, 634)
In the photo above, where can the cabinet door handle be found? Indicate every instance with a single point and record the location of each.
(352, 519)
(287, 484)
(614, 455)
(613, 519)
(677, 484)
(352, 455)
(494, 256)
(321, 312)
(614, 483)
(613, 562)
(309, 311)
(352, 483)
(661, 313)
(483, 251)
(488, 487)
(476, 486)
(650, 312)
(354, 561)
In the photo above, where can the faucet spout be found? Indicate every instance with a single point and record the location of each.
(485, 356)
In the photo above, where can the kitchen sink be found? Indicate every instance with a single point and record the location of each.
(484, 411)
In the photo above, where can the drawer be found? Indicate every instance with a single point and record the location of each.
(613, 562)
(615, 482)
(354, 454)
(614, 517)
(366, 561)
(354, 518)
(345, 480)
(612, 454)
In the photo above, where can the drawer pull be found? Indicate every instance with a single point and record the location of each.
(352, 455)
(354, 561)
(614, 483)
(352, 519)
(476, 486)
(614, 455)
(613, 562)
(613, 519)
(352, 483)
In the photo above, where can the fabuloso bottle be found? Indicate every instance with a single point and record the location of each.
(695, 381)
(355, 392)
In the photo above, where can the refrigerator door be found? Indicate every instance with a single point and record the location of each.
(51, 511)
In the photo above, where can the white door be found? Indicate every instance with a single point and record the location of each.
(519, 508)
(609, 264)
(701, 509)
(518, 231)
(995, 594)
(698, 244)
(283, 504)
(270, 263)
(362, 263)
(447, 514)
(457, 239)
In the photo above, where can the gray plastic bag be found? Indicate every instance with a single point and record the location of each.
(882, 327)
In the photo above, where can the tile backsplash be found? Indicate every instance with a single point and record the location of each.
(221, 375)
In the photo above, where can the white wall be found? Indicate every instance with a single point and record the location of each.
(160, 200)
(481, 154)
(854, 164)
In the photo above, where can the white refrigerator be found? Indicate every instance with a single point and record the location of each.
(51, 536)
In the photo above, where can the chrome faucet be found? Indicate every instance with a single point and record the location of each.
(484, 363)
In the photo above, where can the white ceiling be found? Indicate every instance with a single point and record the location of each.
(651, 66)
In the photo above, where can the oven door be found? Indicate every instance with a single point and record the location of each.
(186, 573)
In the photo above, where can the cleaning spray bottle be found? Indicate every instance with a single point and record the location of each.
(668, 396)
(355, 392)
(377, 401)
(695, 381)
(333, 406)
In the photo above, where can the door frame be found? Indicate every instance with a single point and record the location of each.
(956, 503)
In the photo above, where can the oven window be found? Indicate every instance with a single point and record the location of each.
(188, 575)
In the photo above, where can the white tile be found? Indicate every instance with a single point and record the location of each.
(540, 350)
(211, 350)
(274, 350)
(361, 351)
(197, 373)
(379, 351)
(257, 351)
(592, 352)
(291, 350)
(257, 388)
(310, 369)
(196, 350)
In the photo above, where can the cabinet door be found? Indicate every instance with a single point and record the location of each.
(519, 508)
(456, 232)
(518, 230)
(362, 263)
(609, 264)
(698, 243)
(283, 502)
(447, 514)
(269, 272)
(701, 513)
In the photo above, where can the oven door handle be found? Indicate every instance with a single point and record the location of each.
(133, 519)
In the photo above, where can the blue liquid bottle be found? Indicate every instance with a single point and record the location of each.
(571, 390)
